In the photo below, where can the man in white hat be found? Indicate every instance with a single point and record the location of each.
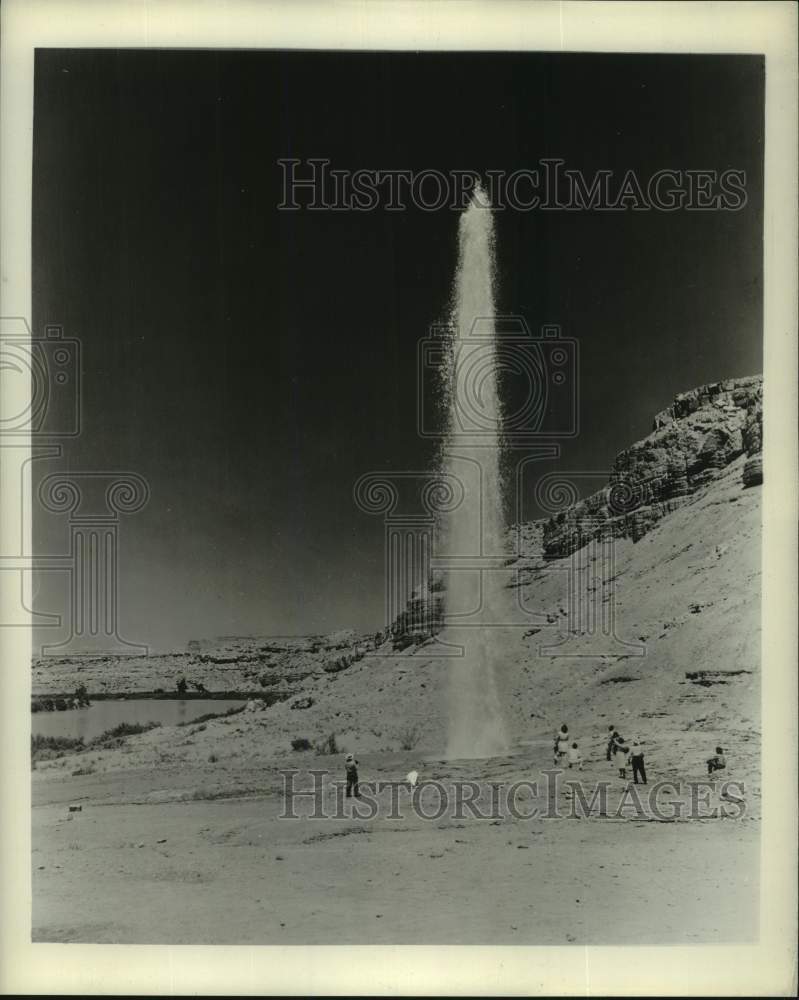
(351, 769)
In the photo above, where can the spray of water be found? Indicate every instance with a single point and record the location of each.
(476, 602)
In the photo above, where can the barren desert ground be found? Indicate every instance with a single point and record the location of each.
(154, 861)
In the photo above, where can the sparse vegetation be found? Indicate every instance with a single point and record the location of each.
(213, 715)
(300, 743)
(211, 794)
(47, 747)
(409, 737)
(212, 758)
(328, 746)
(62, 703)
(122, 730)
(43, 747)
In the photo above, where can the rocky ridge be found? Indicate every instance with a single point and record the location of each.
(692, 441)
(271, 667)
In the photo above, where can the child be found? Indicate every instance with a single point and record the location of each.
(637, 761)
(575, 757)
(614, 741)
(623, 752)
(717, 763)
(351, 769)
(561, 743)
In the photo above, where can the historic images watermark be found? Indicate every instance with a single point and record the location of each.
(315, 795)
(539, 375)
(550, 185)
(42, 411)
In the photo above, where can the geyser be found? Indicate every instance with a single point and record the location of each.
(473, 535)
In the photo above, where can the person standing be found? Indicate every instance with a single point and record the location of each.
(351, 770)
(561, 744)
(614, 741)
(637, 761)
(717, 763)
(622, 753)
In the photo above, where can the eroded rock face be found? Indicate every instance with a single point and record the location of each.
(753, 429)
(699, 435)
(421, 619)
(753, 442)
(696, 437)
(753, 471)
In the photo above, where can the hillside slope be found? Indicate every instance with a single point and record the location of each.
(686, 595)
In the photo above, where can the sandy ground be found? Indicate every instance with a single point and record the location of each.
(153, 857)
(179, 841)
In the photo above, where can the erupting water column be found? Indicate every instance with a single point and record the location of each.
(476, 602)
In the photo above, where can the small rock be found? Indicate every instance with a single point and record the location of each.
(161, 841)
(279, 857)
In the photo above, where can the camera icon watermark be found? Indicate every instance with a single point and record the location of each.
(538, 375)
(40, 415)
(47, 403)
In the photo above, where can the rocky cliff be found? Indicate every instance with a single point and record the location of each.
(692, 441)
(663, 640)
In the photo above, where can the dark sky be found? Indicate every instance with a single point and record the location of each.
(251, 364)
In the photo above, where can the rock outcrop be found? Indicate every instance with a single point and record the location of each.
(700, 434)
(753, 471)
(423, 615)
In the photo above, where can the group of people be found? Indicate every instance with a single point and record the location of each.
(565, 748)
(567, 751)
(633, 754)
(620, 752)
